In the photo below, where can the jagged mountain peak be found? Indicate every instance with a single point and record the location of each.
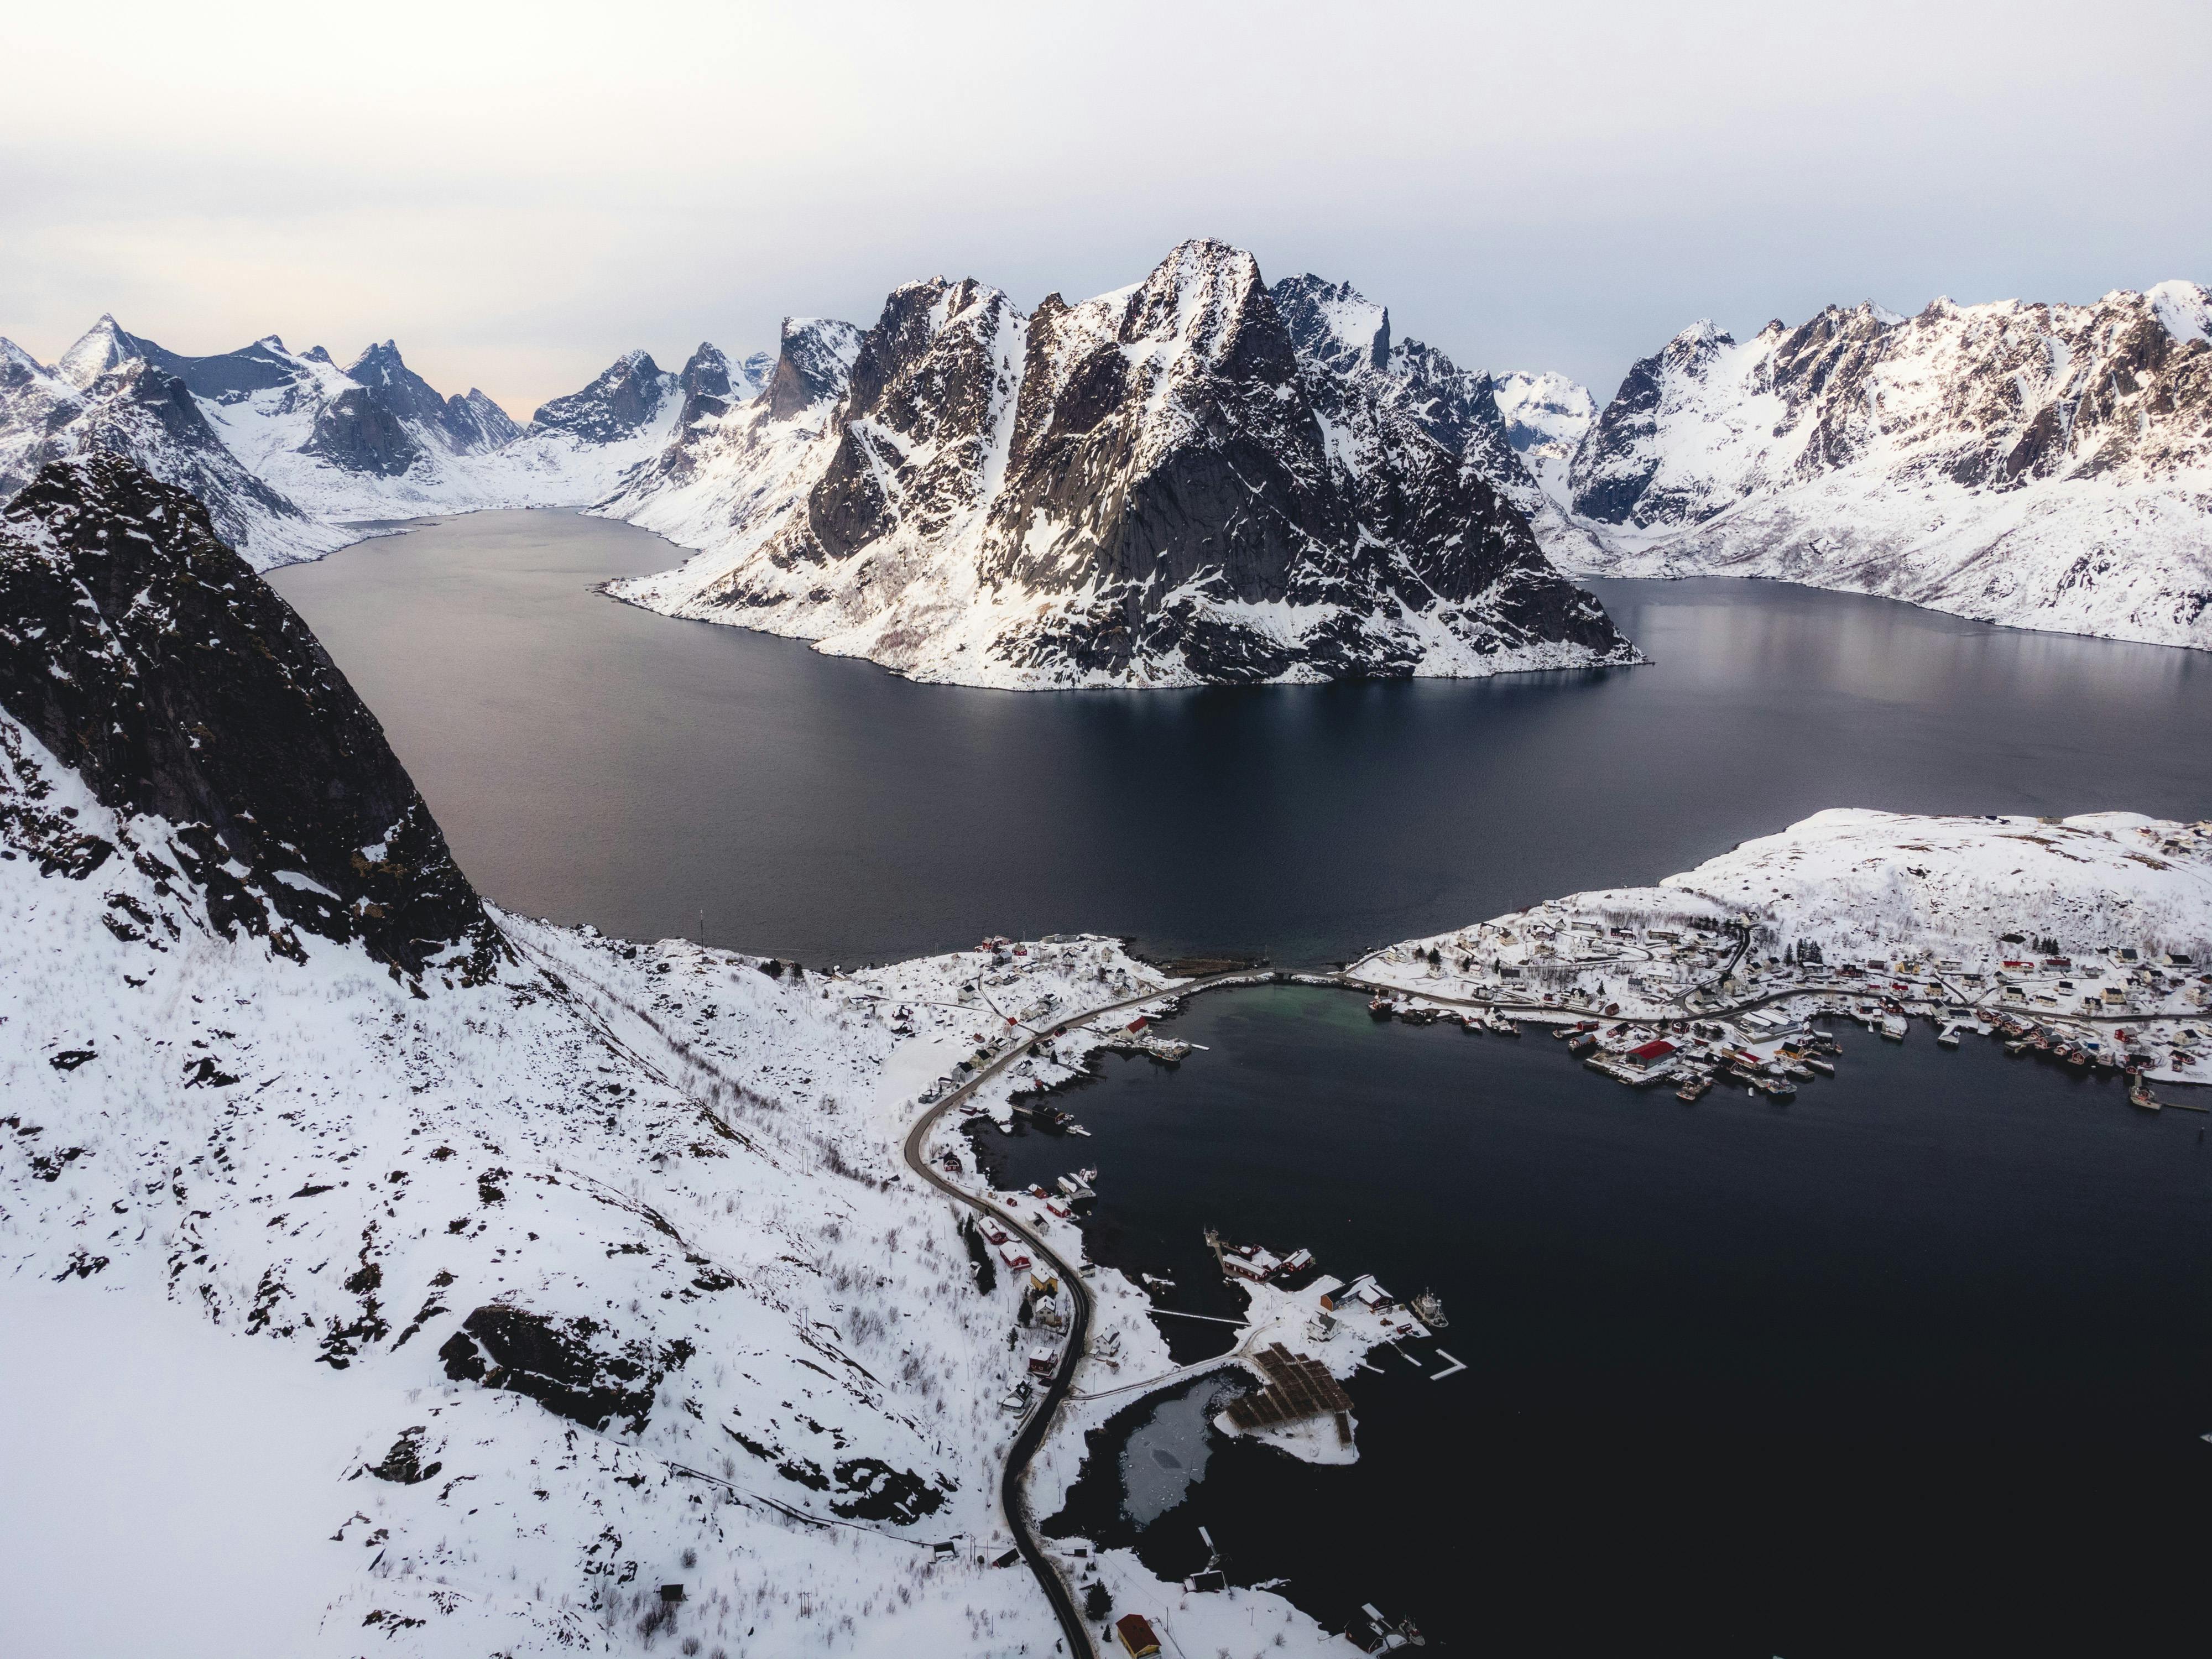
(1208, 296)
(2183, 307)
(106, 345)
(15, 363)
(1700, 340)
(379, 359)
(1334, 323)
(402, 391)
(813, 365)
(626, 396)
(707, 371)
(150, 659)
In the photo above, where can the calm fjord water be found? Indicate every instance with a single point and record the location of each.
(591, 762)
(1916, 1365)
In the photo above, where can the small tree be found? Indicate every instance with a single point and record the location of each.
(1097, 1604)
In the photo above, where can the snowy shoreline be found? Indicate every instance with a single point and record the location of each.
(2086, 939)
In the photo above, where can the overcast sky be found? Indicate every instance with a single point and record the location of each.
(517, 193)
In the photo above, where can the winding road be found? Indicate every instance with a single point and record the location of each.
(1039, 1421)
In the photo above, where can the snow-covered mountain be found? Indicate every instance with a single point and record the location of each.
(1466, 411)
(293, 454)
(1545, 416)
(595, 1265)
(1158, 486)
(2045, 465)
(107, 397)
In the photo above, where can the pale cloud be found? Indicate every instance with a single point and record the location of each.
(517, 193)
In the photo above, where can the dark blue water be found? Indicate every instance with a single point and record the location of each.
(1916, 1364)
(591, 762)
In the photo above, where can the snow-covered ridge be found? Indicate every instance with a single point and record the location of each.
(293, 454)
(1547, 417)
(2045, 465)
(1188, 481)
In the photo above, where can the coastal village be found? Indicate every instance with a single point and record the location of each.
(2080, 943)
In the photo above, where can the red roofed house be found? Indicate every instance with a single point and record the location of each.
(1135, 1635)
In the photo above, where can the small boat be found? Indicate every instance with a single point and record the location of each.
(2141, 1096)
(1824, 1067)
(1694, 1090)
(1429, 1308)
(1781, 1091)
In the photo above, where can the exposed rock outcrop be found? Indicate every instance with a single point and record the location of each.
(150, 659)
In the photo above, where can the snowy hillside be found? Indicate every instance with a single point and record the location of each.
(594, 1265)
(2081, 941)
(293, 454)
(1156, 487)
(1975, 895)
(2045, 465)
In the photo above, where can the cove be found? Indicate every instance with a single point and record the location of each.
(1916, 1364)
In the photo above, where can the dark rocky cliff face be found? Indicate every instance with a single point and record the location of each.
(629, 393)
(358, 431)
(402, 397)
(148, 658)
(814, 360)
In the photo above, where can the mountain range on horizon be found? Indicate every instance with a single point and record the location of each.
(2046, 466)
